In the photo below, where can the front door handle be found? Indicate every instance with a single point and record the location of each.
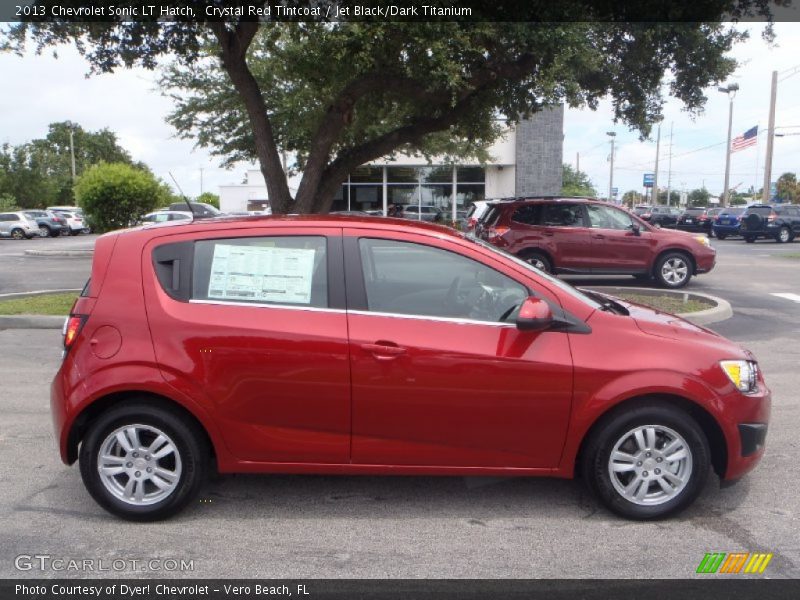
(384, 350)
(599, 236)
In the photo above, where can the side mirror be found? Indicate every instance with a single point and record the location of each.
(636, 229)
(534, 315)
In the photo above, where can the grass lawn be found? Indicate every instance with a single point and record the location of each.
(667, 303)
(794, 255)
(44, 304)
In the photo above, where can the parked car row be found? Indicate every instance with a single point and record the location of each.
(56, 220)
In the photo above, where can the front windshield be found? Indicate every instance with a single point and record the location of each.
(564, 287)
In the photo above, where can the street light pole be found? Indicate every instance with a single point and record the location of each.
(765, 192)
(731, 91)
(655, 175)
(613, 136)
(72, 153)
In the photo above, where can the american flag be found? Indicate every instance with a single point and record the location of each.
(747, 139)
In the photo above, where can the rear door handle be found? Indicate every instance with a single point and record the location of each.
(384, 350)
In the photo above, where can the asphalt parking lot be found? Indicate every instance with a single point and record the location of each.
(416, 527)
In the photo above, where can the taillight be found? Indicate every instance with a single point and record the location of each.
(72, 327)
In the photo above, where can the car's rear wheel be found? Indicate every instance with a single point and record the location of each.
(722, 236)
(647, 462)
(142, 462)
(673, 270)
(74, 231)
(538, 260)
(17, 234)
(784, 236)
(44, 231)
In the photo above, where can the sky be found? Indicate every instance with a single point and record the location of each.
(41, 89)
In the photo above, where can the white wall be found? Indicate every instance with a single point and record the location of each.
(500, 182)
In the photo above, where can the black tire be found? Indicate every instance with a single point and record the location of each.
(784, 235)
(673, 270)
(722, 236)
(17, 234)
(538, 260)
(190, 447)
(749, 239)
(596, 460)
(45, 231)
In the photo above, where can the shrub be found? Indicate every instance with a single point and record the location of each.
(209, 198)
(115, 195)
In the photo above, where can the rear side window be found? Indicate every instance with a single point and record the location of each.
(528, 215)
(760, 210)
(562, 215)
(290, 270)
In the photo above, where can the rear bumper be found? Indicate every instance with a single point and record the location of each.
(726, 229)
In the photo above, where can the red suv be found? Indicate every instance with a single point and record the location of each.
(576, 235)
(346, 345)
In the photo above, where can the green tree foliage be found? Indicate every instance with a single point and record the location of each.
(674, 197)
(576, 183)
(115, 195)
(699, 197)
(39, 173)
(631, 198)
(209, 198)
(787, 186)
(339, 94)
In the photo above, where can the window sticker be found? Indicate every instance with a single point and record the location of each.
(261, 274)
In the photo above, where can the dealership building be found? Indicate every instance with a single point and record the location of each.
(525, 161)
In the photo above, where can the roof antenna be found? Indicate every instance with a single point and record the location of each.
(185, 199)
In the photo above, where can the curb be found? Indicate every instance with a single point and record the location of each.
(31, 322)
(70, 253)
(720, 312)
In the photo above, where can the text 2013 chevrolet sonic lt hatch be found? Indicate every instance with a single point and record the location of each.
(378, 346)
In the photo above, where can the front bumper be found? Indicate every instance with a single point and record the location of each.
(745, 428)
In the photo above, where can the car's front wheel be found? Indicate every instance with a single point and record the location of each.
(647, 462)
(673, 270)
(784, 236)
(44, 231)
(143, 462)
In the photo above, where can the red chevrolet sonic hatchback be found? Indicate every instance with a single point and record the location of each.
(379, 346)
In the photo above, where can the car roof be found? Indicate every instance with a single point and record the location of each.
(278, 221)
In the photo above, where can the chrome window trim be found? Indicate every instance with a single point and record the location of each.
(265, 305)
(456, 320)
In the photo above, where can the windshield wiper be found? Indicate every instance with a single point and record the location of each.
(607, 304)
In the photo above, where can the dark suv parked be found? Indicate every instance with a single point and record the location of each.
(779, 221)
(580, 235)
(698, 219)
(661, 216)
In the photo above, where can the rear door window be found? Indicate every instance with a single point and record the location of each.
(288, 270)
(528, 215)
(562, 215)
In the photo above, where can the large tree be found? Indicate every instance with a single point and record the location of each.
(339, 94)
(576, 183)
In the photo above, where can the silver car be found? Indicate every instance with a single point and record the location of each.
(18, 226)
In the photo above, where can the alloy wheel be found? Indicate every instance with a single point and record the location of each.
(674, 270)
(650, 465)
(139, 464)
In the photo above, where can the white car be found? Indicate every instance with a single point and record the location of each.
(18, 226)
(162, 216)
(75, 221)
(475, 213)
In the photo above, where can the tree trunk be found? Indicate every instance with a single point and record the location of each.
(234, 46)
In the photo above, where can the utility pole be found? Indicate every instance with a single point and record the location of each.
(613, 136)
(669, 167)
(731, 91)
(655, 174)
(765, 193)
(72, 152)
(577, 162)
(201, 181)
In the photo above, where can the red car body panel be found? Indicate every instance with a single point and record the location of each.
(315, 391)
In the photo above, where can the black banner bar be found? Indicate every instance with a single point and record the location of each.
(705, 588)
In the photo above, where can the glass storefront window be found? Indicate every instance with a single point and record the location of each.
(402, 174)
(367, 175)
(470, 175)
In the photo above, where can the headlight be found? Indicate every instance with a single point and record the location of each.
(702, 239)
(742, 373)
